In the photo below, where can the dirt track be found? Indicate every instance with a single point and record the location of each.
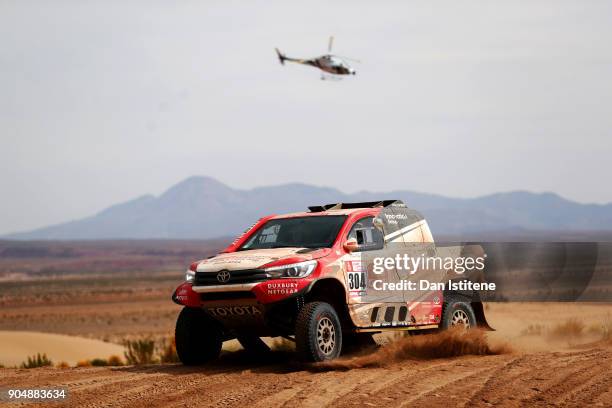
(575, 378)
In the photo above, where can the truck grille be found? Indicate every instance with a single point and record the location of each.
(241, 276)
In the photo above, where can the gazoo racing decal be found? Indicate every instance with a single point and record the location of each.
(226, 311)
(402, 232)
(239, 259)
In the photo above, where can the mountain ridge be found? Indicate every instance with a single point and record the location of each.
(202, 207)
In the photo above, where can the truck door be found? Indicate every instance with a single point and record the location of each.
(372, 302)
(359, 265)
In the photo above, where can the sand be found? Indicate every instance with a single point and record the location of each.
(16, 346)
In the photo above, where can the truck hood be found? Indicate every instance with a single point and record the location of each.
(257, 258)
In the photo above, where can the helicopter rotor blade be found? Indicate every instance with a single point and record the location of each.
(331, 42)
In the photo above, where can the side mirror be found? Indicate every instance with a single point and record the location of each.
(351, 245)
(378, 224)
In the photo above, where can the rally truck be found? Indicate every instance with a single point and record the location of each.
(308, 277)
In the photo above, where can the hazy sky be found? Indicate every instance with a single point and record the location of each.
(103, 101)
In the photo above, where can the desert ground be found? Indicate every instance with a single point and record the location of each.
(572, 378)
(538, 356)
(17, 346)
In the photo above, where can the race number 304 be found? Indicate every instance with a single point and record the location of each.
(357, 281)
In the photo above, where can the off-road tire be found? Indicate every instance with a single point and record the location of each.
(457, 310)
(197, 336)
(253, 344)
(318, 332)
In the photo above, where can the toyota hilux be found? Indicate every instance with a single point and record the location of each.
(311, 277)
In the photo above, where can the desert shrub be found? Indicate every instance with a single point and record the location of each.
(569, 328)
(604, 329)
(62, 364)
(167, 352)
(98, 362)
(83, 363)
(115, 361)
(39, 360)
(533, 330)
(140, 351)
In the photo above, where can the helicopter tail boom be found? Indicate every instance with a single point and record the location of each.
(281, 56)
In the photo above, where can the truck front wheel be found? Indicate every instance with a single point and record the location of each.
(318, 334)
(197, 336)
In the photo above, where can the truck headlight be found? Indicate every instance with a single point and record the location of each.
(189, 276)
(296, 270)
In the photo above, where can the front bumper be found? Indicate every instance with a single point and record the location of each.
(269, 291)
(264, 308)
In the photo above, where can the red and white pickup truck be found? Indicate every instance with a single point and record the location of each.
(303, 276)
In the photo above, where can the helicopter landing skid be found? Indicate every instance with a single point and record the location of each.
(330, 77)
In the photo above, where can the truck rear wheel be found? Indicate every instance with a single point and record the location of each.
(457, 312)
(197, 336)
(318, 333)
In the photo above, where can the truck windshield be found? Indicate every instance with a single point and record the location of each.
(299, 232)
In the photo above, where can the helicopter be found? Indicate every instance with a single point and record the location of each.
(328, 63)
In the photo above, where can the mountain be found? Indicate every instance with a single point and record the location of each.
(202, 207)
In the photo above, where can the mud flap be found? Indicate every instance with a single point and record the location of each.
(481, 320)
